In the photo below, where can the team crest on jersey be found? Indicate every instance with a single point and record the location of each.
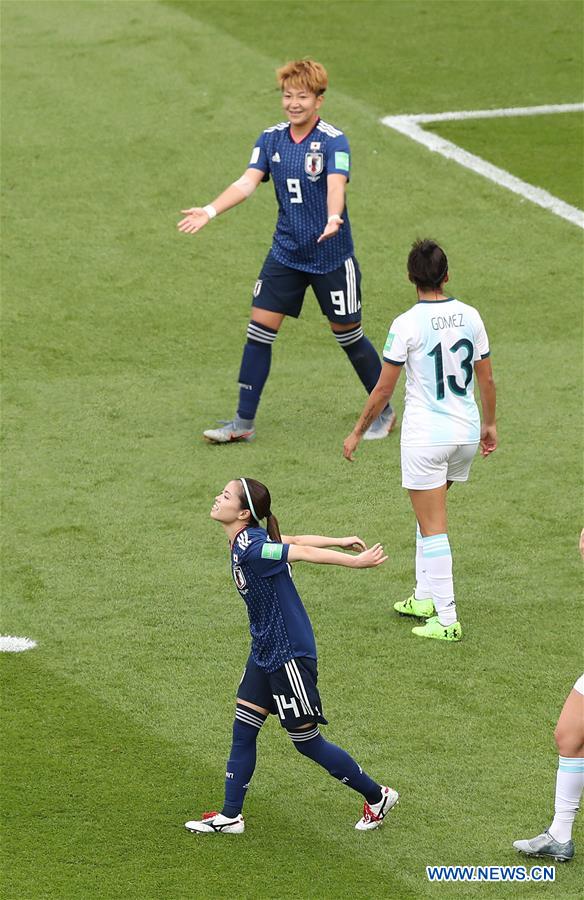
(257, 287)
(313, 165)
(239, 578)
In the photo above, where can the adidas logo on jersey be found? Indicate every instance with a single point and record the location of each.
(276, 157)
(243, 540)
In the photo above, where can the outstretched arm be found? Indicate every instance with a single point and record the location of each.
(319, 540)
(335, 202)
(198, 216)
(484, 373)
(378, 398)
(365, 560)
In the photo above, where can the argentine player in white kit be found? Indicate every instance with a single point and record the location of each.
(443, 344)
(557, 841)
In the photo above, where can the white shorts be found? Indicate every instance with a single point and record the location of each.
(579, 686)
(424, 468)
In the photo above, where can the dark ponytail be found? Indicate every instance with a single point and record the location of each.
(261, 502)
(273, 528)
(427, 264)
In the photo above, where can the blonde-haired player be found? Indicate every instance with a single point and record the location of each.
(443, 344)
(309, 162)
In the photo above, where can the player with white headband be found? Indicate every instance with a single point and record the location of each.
(280, 676)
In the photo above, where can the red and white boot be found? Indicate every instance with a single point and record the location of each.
(374, 815)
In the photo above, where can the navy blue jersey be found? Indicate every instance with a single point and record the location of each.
(299, 172)
(279, 625)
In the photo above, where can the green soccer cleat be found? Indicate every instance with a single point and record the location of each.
(433, 629)
(421, 609)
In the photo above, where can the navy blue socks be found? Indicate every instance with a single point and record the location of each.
(362, 354)
(254, 371)
(336, 761)
(257, 359)
(242, 759)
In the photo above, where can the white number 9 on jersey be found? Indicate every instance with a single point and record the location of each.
(294, 190)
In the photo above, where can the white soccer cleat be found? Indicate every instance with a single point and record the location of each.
(374, 815)
(216, 823)
(384, 423)
(229, 434)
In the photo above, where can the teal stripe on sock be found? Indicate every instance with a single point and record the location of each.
(570, 764)
(436, 545)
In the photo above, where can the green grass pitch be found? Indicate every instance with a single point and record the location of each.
(122, 342)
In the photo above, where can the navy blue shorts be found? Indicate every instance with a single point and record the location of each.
(290, 692)
(281, 289)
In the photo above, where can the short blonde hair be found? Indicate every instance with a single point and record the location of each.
(303, 73)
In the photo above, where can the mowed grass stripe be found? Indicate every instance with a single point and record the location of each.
(487, 55)
(545, 151)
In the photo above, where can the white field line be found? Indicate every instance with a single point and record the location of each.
(11, 644)
(410, 126)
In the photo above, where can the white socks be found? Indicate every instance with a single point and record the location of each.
(422, 591)
(569, 785)
(437, 560)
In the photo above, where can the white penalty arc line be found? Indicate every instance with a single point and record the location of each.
(410, 125)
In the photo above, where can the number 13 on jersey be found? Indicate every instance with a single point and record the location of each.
(465, 364)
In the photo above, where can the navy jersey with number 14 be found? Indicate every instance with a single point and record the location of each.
(299, 172)
(279, 625)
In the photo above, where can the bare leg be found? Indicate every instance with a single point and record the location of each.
(569, 732)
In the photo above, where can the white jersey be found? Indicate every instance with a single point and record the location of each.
(439, 341)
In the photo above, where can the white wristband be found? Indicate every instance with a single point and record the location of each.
(334, 218)
(210, 210)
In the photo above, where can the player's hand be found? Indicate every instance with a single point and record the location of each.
(488, 439)
(330, 230)
(350, 445)
(352, 543)
(196, 218)
(370, 558)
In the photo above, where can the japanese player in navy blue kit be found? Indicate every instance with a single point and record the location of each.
(281, 673)
(309, 162)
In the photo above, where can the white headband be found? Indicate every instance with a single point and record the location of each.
(249, 501)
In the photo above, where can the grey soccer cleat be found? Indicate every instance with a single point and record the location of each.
(384, 423)
(545, 845)
(229, 433)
